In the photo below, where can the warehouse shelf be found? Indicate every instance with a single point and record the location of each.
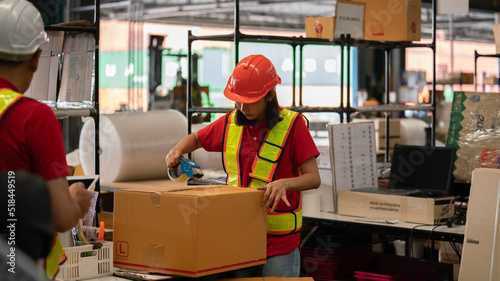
(345, 43)
(75, 112)
(393, 108)
(93, 30)
(82, 108)
(476, 56)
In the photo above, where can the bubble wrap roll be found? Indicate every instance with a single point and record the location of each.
(133, 146)
(413, 131)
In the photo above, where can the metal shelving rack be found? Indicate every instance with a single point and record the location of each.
(476, 56)
(82, 109)
(345, 43)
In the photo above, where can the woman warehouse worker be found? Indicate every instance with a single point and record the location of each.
(266, 147)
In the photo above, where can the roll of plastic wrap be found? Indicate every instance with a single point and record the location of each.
(413, 131)
(133, 146)
(311, 201)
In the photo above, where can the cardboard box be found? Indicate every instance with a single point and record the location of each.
(320, 27)
(44, 84)
(190, 231)
(392, 20)
(395, 207)
(462, 78)
(490, 80)
(452, 7)
(496, 34)
(349, 19)
(481, 250)
(107, 218)
(77, 69)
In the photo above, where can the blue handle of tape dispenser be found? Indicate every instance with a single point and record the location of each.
(185, 170)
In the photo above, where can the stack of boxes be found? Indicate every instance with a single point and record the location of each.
(381, 20)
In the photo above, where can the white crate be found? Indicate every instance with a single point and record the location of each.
(79, 266)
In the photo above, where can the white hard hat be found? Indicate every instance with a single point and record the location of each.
(21, 30)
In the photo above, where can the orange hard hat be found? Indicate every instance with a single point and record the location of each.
(252, 79)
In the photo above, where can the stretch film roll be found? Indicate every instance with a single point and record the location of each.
(311, 201)
(413, 131)
(133, 146)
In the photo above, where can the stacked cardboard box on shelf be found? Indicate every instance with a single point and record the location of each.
(320, 27)
(393, 20)
(76, 51)
(77, 68)
(496, 34)
(383, 20)
(44, 84)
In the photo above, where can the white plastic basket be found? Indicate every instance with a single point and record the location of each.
(83, 262)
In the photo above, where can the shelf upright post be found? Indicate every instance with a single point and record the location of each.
(236, 32)
(189, 81)
(387, 101)
(433, 96)
(96, 90)
(301, 79)
(348, 82)
(342, 44)
(476, 55)
(294, 79)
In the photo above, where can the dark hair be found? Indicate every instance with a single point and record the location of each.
(272, 113)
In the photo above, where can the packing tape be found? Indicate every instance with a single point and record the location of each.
(133, 146)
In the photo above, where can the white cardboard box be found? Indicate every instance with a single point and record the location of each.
(395, 207)
(44, 84)
(349, 19)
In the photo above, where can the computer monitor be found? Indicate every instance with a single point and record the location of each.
(424, 168)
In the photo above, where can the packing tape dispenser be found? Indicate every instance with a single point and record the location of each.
(186, 170)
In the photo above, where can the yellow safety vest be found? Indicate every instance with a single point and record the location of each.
(264, 167)
(9, 98)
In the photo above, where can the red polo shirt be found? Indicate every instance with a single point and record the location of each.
(31, 139)
(299, 148)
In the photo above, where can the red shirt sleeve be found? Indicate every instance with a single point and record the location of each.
(45, 144)
(211, 137)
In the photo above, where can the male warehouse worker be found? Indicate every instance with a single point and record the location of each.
(31, 136)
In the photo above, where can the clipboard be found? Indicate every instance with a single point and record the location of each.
(88, 181)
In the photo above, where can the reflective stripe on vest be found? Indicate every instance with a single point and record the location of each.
(264, 167)
(55, 258)
(265, 164)
(232, 142)
(7, 99)
(285, 222)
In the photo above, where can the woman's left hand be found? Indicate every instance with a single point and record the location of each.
(275, 191)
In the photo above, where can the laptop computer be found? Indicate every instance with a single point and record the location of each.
(419, 171)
